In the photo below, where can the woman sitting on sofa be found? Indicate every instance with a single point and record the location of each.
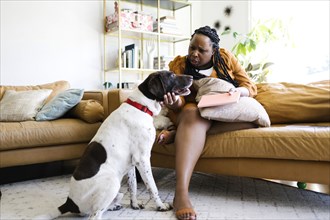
(205, 59)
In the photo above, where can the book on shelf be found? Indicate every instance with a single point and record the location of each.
(168, 30)
(167, 19)
(164, 62)
(131, 56)
(175, 31)
(124, 59)
(167, 25)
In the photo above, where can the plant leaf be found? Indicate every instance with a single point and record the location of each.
(226, 32)
(253, 44)
(249, 68)
(256, 66)
(241, 49)
(266, 65)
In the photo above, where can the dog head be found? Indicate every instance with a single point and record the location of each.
(159, 83)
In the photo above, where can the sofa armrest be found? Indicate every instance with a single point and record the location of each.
(113, 100)
(116, 97)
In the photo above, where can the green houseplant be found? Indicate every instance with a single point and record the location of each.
(252, 49)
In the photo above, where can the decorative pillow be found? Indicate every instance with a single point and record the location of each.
(22, 105)
(295, 103)
(246, 110)
(90, 111)
(57, 87)
(60, 104)
(209, 85)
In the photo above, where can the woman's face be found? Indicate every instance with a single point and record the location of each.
(200, 51)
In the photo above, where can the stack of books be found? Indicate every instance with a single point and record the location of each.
(131, 57)
(164, 61)
(167, 25)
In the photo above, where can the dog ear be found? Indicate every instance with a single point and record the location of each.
(151, 87)
(156, 87)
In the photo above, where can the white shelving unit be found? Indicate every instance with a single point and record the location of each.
(159, 8)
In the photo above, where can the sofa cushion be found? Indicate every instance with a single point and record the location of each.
(308, 142)
(295, 103)
(90, 111)
(22, 105)
(28, 134)
(220, 127)
(56, 87)
(60, 104)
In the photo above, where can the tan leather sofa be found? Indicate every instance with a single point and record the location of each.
(285, 151)
(297, 151)
(33, 142)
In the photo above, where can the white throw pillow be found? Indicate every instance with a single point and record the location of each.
(246, 110)
(22, 105)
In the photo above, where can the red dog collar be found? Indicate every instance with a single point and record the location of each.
(139, 106)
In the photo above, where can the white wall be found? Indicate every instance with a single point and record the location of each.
(213, 10)
(207, 12)
(45, 41)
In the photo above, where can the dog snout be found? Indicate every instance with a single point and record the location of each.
(187, 80)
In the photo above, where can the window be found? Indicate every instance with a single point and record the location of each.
(303, 56)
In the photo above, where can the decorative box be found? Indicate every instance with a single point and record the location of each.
(129, 20)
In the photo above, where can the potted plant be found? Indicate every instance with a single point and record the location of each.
(250, 48)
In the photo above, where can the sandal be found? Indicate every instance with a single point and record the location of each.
(186, 214)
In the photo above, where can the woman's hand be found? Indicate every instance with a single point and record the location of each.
(171, 101)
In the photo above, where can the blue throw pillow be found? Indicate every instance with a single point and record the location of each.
(60, 104)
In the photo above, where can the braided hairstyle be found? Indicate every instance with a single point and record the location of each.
(212, 34)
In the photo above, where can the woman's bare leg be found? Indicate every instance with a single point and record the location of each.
(189, 144)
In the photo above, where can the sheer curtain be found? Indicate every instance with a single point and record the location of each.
(304, 57)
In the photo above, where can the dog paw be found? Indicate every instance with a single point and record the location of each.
(164, 207)
(115, 207)
(137, 206)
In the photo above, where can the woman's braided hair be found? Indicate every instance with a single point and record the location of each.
(212, 34)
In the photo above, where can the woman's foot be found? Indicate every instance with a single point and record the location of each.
(183, 208)
(166, 137)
